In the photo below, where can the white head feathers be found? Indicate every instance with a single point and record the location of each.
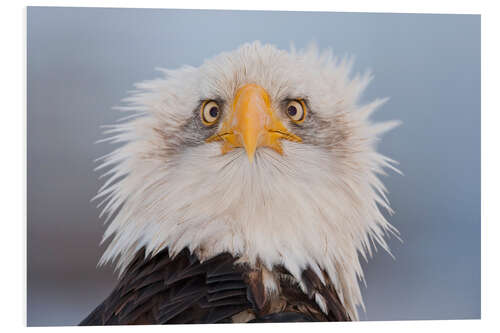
(316, 205)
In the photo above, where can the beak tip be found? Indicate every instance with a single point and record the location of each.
(251, 156)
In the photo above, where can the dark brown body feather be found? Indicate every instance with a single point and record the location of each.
(183, 290)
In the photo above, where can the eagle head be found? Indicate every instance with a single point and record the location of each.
(260, 152)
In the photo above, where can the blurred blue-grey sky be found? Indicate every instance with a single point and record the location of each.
(82, 61)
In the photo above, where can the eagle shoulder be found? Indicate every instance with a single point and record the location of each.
(181, 289)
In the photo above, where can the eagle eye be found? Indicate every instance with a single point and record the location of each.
(296, 110)
(209, 112)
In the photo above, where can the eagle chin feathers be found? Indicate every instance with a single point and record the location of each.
(316, 207)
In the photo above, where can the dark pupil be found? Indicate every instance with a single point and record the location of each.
(292, 110)
(213, 112)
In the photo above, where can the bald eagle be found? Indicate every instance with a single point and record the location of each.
(244, 190)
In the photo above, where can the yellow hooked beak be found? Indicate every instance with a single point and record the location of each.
(252, 123)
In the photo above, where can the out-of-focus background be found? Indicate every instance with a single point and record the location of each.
(82, 62)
